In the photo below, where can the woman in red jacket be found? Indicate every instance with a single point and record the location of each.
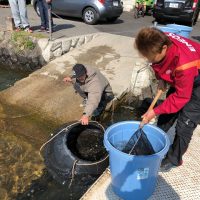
(176, 61)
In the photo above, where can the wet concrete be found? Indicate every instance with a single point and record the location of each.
(23, 175)
(99, 56)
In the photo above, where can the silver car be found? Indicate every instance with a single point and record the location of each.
(91, 11)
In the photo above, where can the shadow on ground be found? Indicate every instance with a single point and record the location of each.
(56, 28)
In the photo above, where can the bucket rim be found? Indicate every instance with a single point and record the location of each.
(173, 29)
(181, 27)
(110, 146)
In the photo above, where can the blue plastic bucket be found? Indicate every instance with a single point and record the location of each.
(185, 30)
(134, 177)
(168, 29)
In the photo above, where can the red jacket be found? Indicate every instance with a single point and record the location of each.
(179, 68)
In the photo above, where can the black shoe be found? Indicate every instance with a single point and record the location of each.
(166, 165)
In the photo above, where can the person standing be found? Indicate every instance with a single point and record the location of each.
(19, 13)
(93, 87)
(44, 6)
(176, 61)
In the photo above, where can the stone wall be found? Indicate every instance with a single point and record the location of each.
(53, 49)
(10, 57)
(44, 51)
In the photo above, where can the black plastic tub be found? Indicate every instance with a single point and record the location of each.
(76, 149)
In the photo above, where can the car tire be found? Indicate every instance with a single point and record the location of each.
(112, 19)
(90, 16)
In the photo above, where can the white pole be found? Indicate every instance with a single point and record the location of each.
(50, 20)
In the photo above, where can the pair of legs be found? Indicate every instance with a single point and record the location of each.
(141, 6)
(19, 13)
(105, 99)
(44, 14)
(187, 120)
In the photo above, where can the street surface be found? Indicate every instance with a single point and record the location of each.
(126, 25)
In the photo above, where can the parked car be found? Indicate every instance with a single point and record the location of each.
(91, 11)
(177, 10)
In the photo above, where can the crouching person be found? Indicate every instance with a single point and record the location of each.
(93, 87)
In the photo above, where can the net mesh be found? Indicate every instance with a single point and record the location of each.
(139, 144)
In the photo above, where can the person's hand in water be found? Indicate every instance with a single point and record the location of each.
(67, 79)
(84, 120)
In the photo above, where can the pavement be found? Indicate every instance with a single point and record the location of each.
(126, 25)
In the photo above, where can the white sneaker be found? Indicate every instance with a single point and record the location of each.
(83, 104)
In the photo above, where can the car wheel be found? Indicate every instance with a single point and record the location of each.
(112, 19)
(90, 16)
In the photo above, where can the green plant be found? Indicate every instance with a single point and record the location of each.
(22, 40)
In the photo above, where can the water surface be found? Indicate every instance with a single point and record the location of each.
(22, 173)
(8, 77)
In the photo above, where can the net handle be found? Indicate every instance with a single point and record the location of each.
(158, 94)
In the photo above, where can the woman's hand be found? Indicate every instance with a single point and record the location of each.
(147, 117)
(84, 120)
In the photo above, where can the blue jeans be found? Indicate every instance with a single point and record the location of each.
(19, 13)
(43, 8)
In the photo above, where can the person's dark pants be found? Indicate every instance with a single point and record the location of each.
(105, 99)
(43, 8)
(187, 120)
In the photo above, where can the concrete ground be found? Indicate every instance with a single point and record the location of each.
(126, 25)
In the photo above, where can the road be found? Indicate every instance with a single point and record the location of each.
(126, 25)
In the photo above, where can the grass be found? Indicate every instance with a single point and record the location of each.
(24, 40)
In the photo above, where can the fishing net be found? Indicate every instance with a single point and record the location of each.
(139, 144)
